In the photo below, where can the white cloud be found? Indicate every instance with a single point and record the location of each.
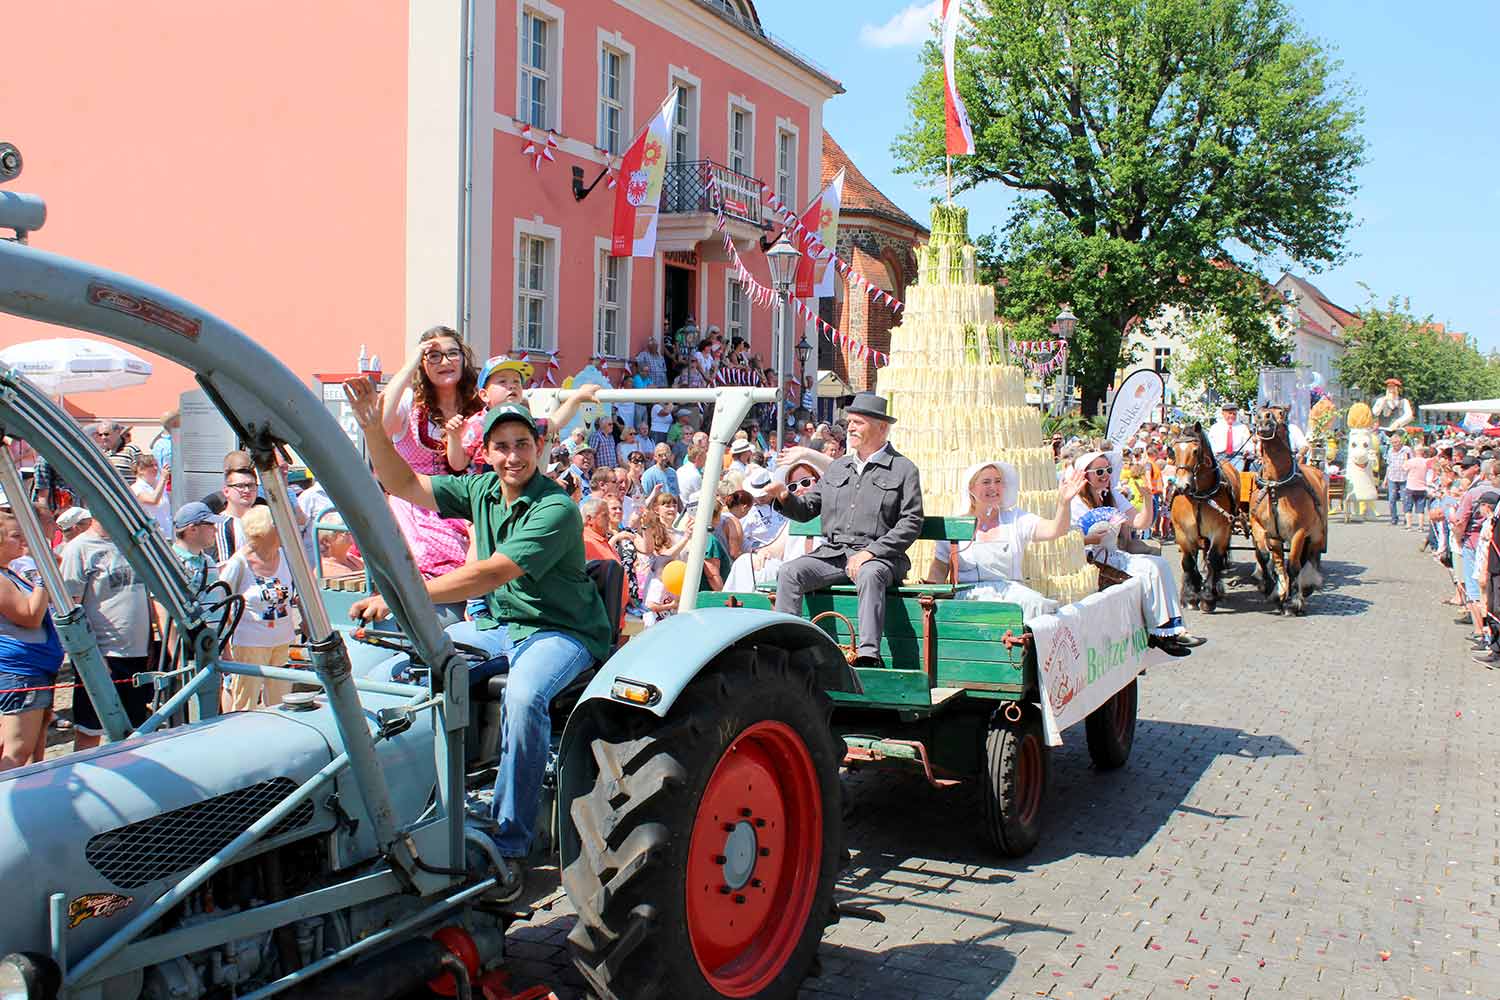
(911, 25)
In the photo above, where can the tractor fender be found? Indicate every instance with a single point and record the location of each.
(668, 656)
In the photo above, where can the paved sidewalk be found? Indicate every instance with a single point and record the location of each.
(1309, 811)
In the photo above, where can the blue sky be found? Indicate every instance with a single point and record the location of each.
(1427, 76)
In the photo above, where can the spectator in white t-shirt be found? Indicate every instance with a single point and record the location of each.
(259, 573)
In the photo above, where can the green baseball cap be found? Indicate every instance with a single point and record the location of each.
(509, 411)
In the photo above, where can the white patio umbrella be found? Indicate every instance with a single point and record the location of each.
(63, 366)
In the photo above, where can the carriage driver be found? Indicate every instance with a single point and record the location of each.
(871, 503)
(530, 571)
(1228, 436)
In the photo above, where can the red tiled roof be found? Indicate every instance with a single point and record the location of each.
(860, 196)
(1338, 312)
(1307, 323)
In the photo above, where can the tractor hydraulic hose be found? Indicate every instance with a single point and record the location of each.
(400, 970)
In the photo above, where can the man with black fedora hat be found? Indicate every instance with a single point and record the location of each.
(1228, 436)
(871, 504)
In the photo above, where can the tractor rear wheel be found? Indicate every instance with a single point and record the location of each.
(1015, 780)
(1111, 729)
(711, 839)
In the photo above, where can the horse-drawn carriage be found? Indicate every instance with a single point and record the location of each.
(1282, 507)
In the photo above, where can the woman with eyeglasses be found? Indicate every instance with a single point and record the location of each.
(993, 560)
(432, 411)
(1106, 519)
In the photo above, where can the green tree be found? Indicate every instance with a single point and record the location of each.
(1163, 150)
(1434, 366)
(1226, 354)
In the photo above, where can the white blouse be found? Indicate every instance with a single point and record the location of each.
(998, 558)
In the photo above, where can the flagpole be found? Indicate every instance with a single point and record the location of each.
(949, 161)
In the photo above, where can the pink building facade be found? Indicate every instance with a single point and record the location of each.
(591, 72)
(350, 172)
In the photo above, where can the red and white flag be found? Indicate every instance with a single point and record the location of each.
(815, 273)
(642, 169)
(960, 136)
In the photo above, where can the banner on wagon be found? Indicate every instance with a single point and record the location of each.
(1088, 651)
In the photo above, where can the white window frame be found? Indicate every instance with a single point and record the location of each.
(679, 77)
(613, 42)
(739, 104)
(553, 14)
(537, 229)
(789, 130)
(602, 261)
(733, 287)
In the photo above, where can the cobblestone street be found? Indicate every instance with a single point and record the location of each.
(1309, 812)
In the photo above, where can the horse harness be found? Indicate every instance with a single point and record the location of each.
(1210, 495)
(1295, 477)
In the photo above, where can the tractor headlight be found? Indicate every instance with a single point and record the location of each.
(28, 977)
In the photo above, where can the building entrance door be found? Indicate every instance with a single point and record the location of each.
(677, 303)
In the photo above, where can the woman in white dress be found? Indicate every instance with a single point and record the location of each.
(993, 561)
(1105, 517)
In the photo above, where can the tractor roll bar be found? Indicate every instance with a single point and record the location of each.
(267, 406)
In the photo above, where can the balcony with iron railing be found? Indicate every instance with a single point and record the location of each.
(686, 188)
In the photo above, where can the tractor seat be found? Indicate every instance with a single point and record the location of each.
(608, 577)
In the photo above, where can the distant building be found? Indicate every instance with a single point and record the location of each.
(1318, 325)
(879, 241)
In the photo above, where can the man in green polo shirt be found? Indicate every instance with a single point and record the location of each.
(530, 572)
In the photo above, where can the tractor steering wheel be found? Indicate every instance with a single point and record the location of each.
(398, 642)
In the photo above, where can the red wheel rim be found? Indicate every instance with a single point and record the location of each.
(754, 859)
(1124, 713)
(1029, 778)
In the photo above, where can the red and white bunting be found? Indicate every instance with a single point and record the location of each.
(538, 145)
(544, 366)
(810, 244)
(765, 297)
(611, 167)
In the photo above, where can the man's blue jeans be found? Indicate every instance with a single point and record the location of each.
(540, 667)
(1393, 496)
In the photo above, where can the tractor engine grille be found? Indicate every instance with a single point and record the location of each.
(142, 852)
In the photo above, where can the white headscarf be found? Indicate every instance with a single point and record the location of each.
(1010, 489)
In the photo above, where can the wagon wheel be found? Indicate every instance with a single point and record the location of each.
(1110, 729)
(1015, 779)
(711, 839)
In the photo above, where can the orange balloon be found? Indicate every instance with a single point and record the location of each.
(672, 575)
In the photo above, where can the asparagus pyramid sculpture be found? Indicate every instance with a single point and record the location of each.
(959, 398)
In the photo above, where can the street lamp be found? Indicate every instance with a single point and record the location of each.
(782, 259)
(1066, 323)
(804, 351)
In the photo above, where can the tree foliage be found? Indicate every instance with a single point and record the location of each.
(1226, 356)
(1434, 366)
(1153, 142)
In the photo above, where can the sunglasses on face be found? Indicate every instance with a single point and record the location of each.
(436, 357)
(240, 486)
(805, 483)
(1099, 472)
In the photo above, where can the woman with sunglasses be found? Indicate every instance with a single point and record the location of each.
(800, 470)
(993, 560)
(1105, 518)
(432, 411)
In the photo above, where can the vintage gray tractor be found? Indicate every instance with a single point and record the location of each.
(334, 846)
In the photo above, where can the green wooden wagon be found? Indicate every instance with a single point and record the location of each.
(957, 698)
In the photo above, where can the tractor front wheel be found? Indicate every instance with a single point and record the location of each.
(1015, 779)
(1110, 729)
(711, 839)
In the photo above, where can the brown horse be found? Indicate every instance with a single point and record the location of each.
(1288, 518)
(1204, 504)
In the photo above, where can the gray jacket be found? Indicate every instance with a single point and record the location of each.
(879, 511)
